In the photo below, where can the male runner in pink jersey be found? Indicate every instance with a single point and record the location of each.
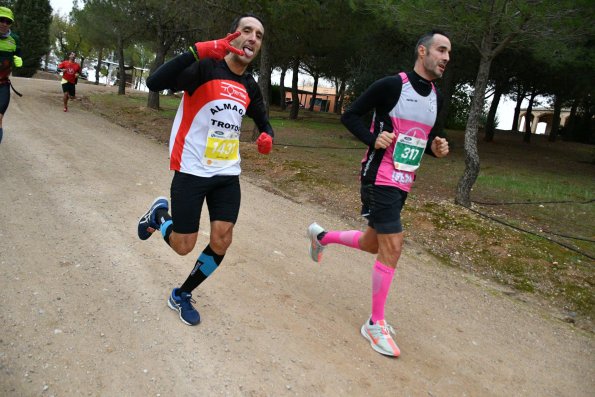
(204, 149)
(405, 107)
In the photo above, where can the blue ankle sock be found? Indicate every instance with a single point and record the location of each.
(166, 229)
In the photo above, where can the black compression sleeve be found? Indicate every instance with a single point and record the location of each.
(381, 96)
(165, 77)
(257, 110)
(433, 132)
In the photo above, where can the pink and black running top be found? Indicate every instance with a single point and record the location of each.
(205, 135)
(407, 105)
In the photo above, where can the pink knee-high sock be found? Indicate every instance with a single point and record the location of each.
(382, 276)
(350, 238)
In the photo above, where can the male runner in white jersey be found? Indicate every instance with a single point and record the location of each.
(405, 108)
(204, 149)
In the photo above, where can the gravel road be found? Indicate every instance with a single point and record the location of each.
(84, 301)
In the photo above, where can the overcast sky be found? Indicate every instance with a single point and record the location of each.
(62, 7)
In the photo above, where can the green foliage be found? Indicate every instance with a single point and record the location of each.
(32, 23)
(139, 55)
(90, 22)
(321, 35)
(460, 104)
(66, 36)
(57, 34)
(379, 58)
(582, 129)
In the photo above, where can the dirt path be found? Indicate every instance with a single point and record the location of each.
(84, 301)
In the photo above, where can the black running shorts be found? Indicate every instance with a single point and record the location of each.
(4, 97)
(188, 193)
(69, 88)
(382, 206)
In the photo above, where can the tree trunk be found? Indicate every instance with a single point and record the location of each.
(122, 71)
(571, 120)
(336, 104)
(264, 78)
(340, 97)
(490, 128)
(517, 109)
(153, 97)
(264, 82)
(529, 118)
(556, 119)
(282, 88)
(165, 40)
(295, 104)
(98, 68)
(314, 91)
(586, 125)
(463, 194)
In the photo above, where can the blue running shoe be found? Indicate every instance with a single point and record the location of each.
(147, 224)
(182, 302)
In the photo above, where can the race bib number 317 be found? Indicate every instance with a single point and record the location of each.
(408, 153)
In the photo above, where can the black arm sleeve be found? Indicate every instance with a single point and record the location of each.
(381, 96)
(434, 133)
(166, 75)
(257, 111)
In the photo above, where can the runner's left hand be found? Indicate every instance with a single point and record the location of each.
(265, 143)
(18, 61)
(439, 147)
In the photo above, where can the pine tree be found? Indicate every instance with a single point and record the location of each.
(32, 24)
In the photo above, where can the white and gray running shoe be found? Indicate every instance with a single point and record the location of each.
(315, 247)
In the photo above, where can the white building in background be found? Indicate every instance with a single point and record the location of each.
(542, 119)
(135, 77)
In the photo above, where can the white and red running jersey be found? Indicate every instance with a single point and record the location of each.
(205, 135)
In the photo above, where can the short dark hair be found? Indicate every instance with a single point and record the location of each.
(427, 38)
(236, 22)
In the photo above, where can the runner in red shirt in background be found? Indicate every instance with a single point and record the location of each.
(69, 78)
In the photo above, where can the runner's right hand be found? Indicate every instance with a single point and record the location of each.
(384, 140)
(217, 49)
